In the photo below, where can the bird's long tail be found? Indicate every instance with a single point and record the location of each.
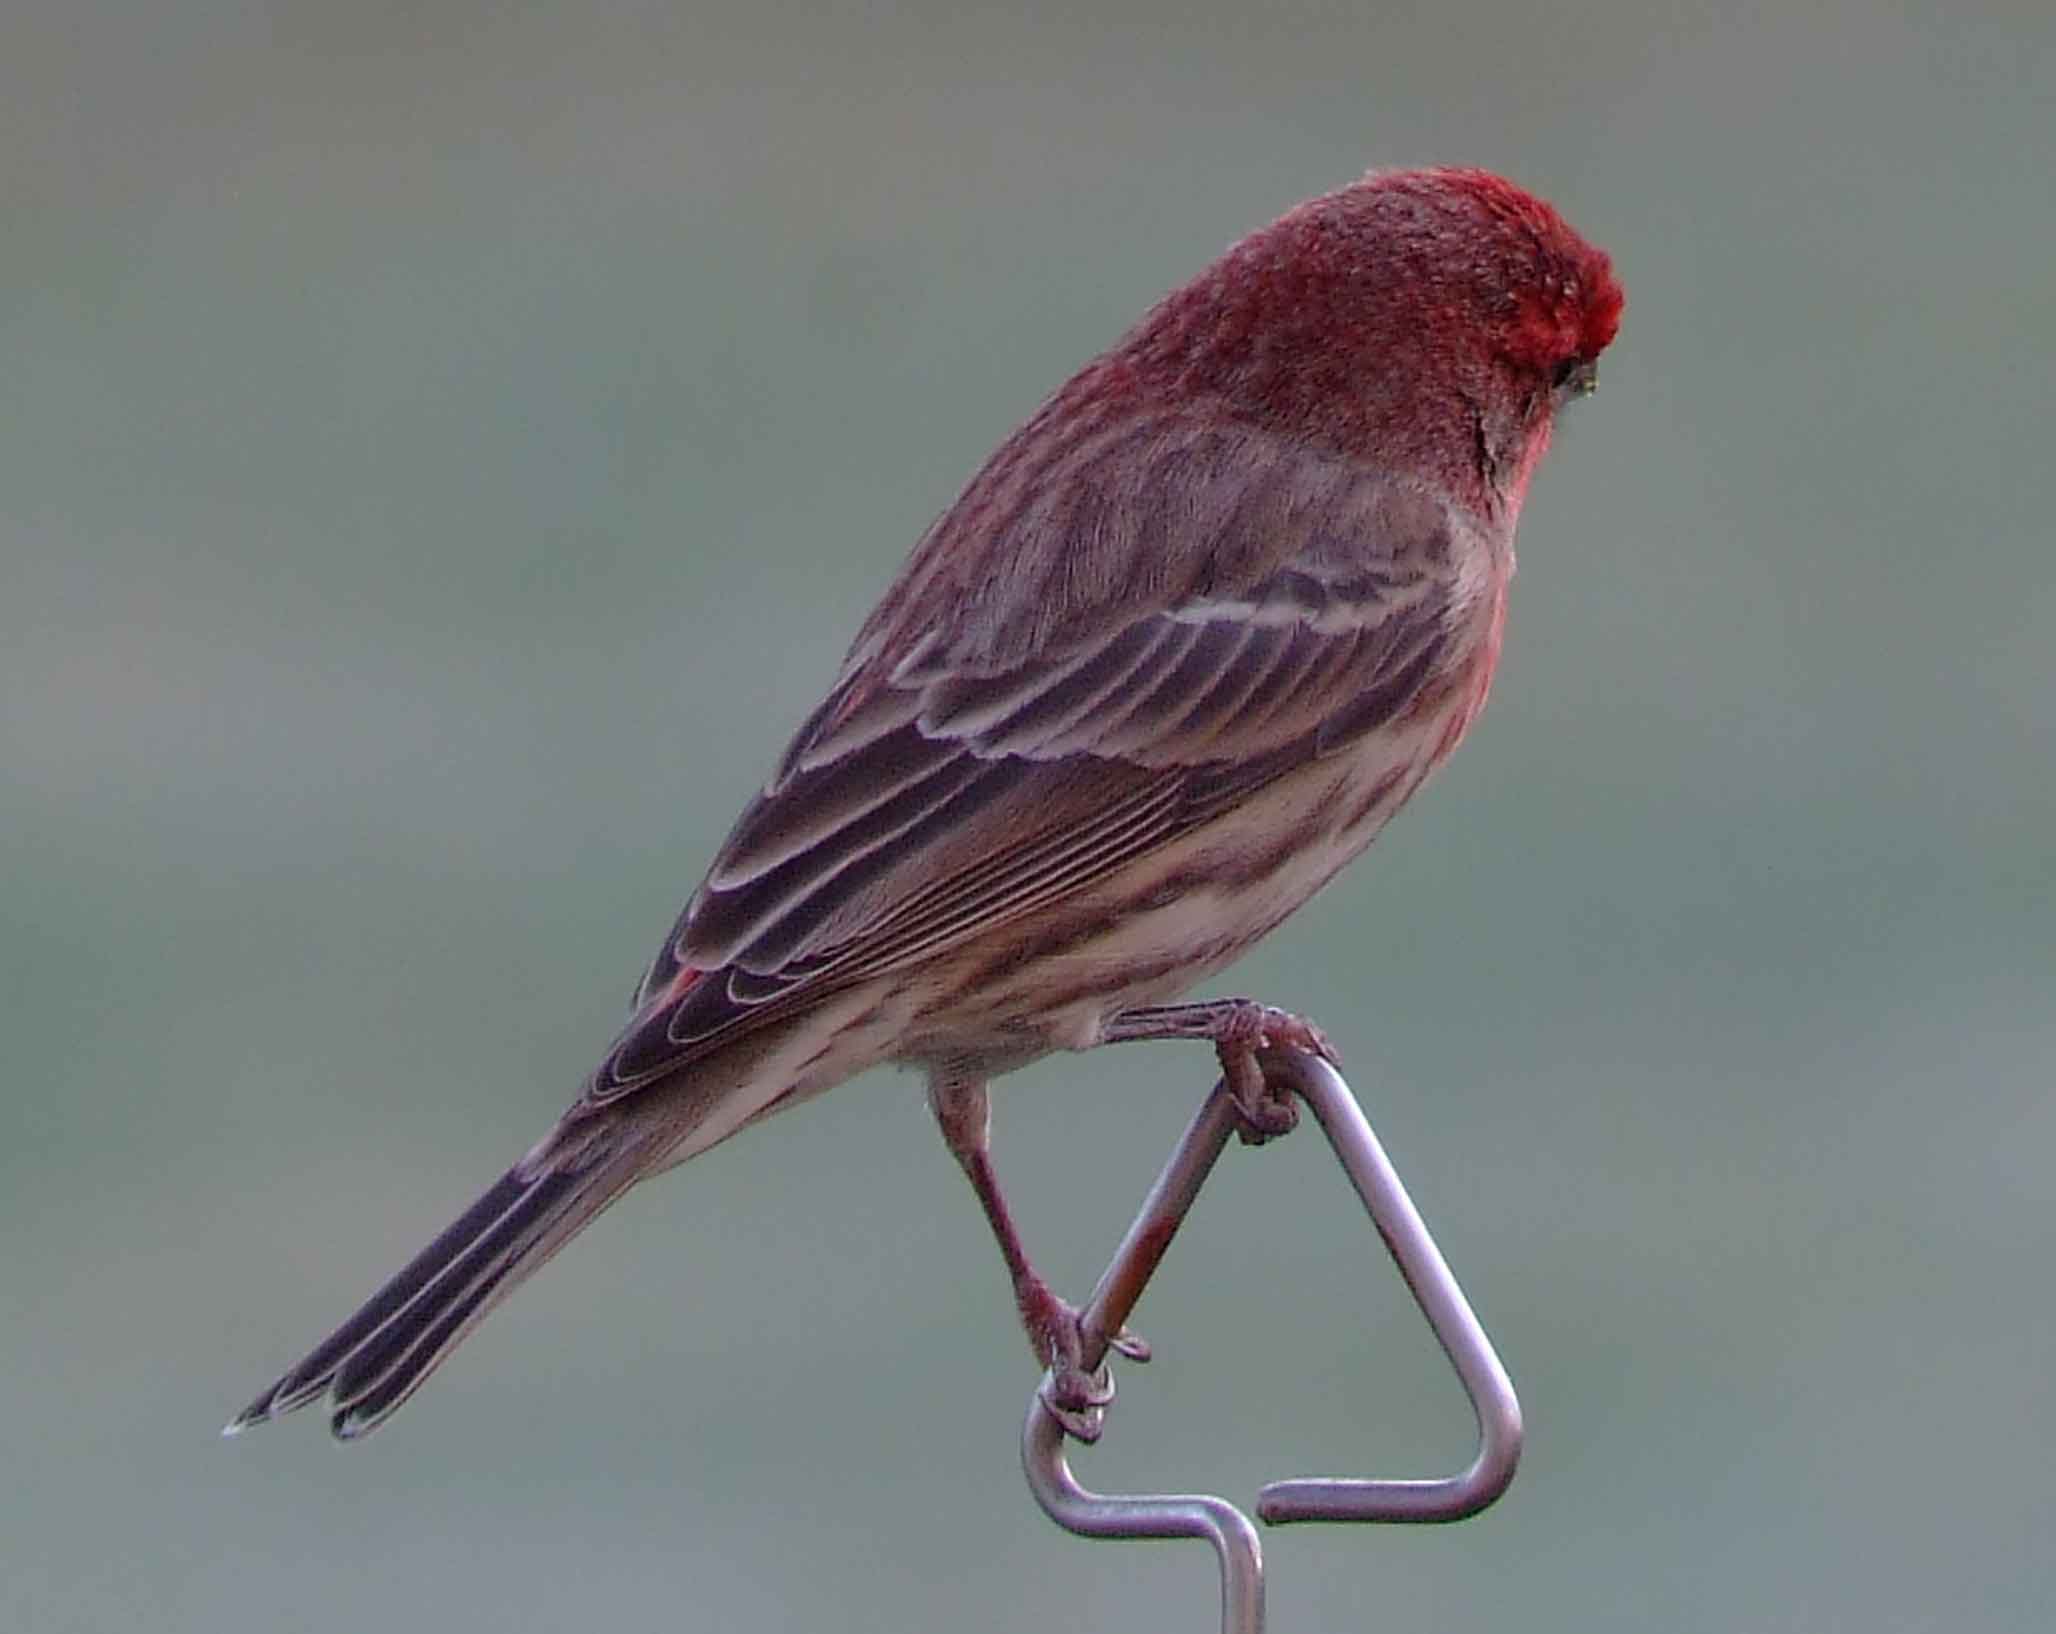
(380, 1356)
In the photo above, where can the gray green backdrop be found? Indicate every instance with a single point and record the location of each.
(443, 449)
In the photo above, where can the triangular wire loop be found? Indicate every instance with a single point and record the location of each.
(1441, 1299)
(1301, 1498)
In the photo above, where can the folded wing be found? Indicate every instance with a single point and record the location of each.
(947, 786)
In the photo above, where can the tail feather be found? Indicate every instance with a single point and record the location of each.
(381, 1355)
(400, 1351)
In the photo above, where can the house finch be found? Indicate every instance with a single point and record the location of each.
(1183, 645)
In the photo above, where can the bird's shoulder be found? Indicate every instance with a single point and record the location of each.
(1080, 528)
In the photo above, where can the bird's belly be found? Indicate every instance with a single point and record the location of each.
(1172, 919)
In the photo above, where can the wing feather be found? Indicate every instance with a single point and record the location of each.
(939, 792)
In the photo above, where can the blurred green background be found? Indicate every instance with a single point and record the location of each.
(444, 448)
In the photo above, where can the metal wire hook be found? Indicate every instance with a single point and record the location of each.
(1304, 1498)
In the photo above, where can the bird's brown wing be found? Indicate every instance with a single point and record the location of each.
(947, 789)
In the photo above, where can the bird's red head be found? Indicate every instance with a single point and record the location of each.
(1428, 321)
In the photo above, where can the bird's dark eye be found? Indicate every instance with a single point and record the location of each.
(1575, 377)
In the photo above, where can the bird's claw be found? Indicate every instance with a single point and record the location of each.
(1078, 1400)
(1264, 1115)
(1077, 1397)
(1265, 1110)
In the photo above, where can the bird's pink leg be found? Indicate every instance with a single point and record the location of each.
(1075, 1396)
(1239, 1030)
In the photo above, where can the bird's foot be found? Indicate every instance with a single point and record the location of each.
(1246, 1030)
(1077, 1397)
(1240, 1030)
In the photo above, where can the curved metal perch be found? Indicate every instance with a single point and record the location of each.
(1301, 1498)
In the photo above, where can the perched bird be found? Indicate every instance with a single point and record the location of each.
(1175, 655)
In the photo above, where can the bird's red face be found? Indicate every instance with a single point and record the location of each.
(1564, 314)
(1516, 307)
(1565, 310)
(1561, 305)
